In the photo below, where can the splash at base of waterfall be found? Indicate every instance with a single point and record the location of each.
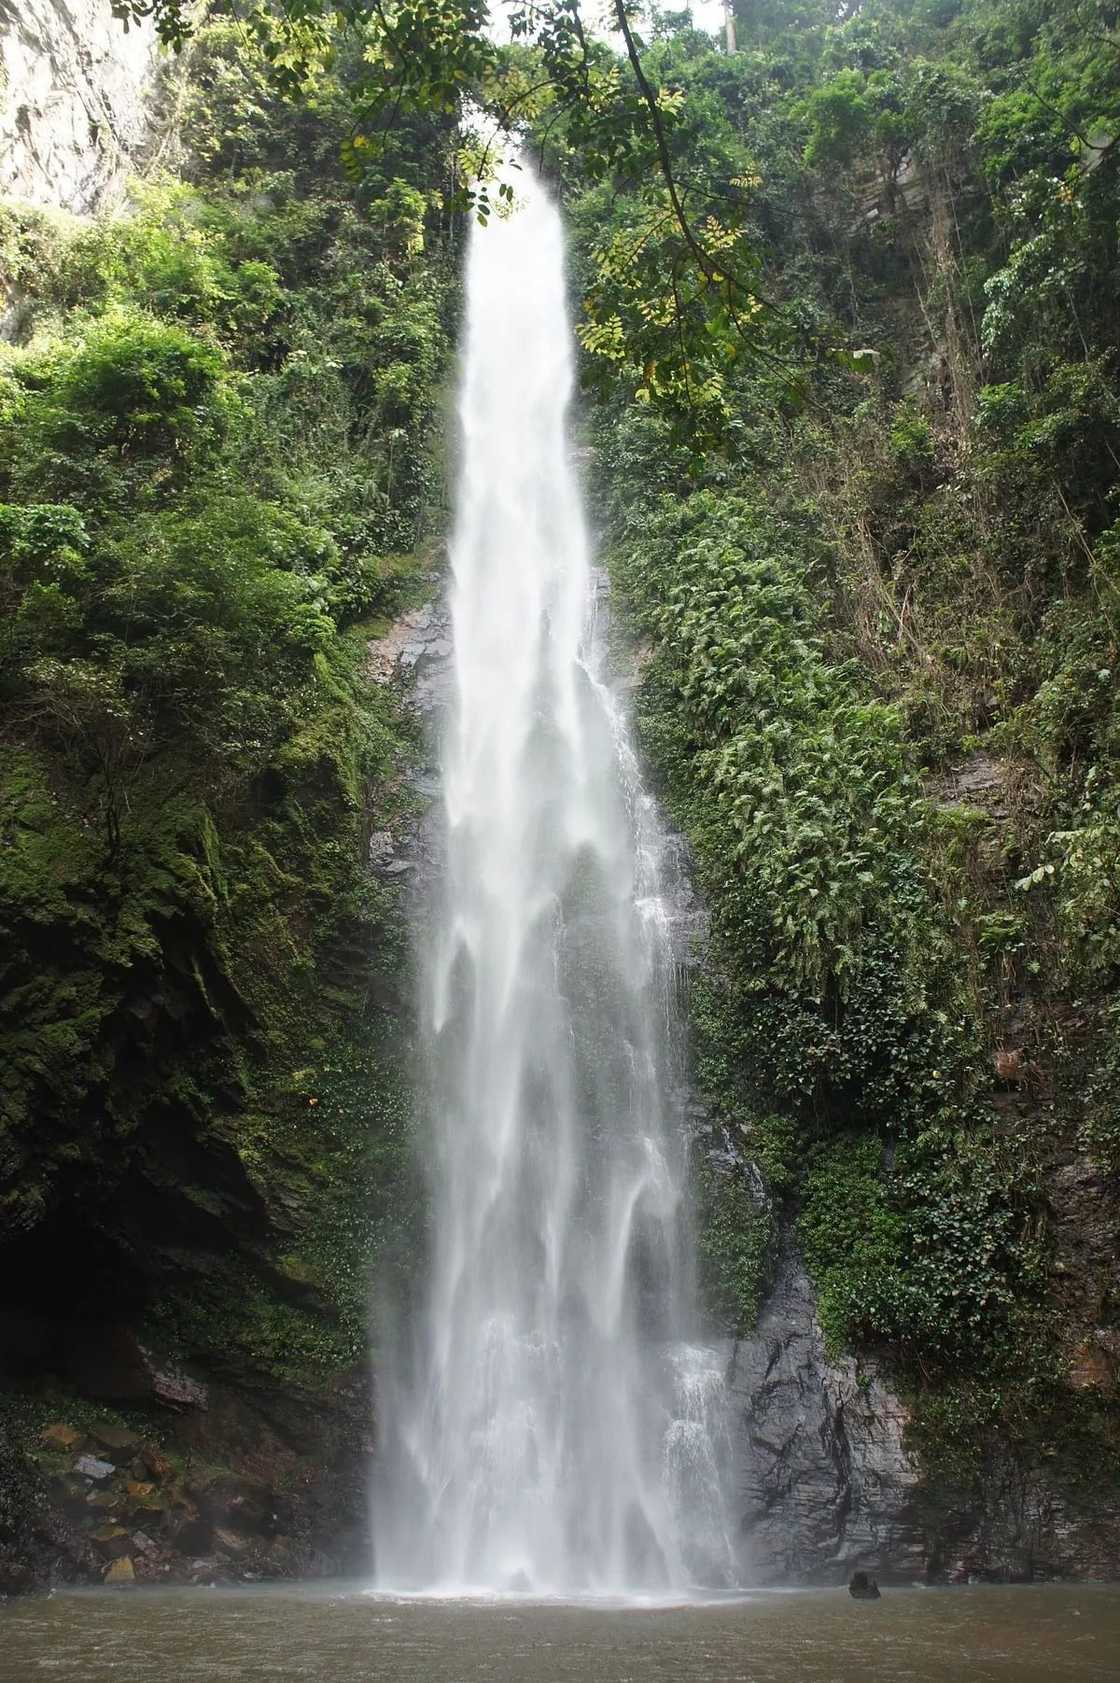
(548, 1425)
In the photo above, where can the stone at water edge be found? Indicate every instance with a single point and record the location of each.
(90, 1467)
(112, 1540)
(120, 1571)
(115, 1437)
(58, 1435)
(157, 1463)
(863, 1587)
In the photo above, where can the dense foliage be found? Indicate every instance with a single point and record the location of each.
(847, 297)
(216, 473)
(882, 612)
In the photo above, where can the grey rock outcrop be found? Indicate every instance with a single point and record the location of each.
(416, 651)
(825, 1485)
(415, 655)
(74, 112)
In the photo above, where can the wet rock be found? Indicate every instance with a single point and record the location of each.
(39, 1540)
(137, 1488)
(381, 848)
(863, 1587)
(291, 1503)
(116, 1437)
(179, 1390)
(417, 647)
(112, 1365)
(827, 1486)
(120, 1571)
(193, 1536)
(60, 1436)
(203, 1571)
(156, 1463)
(90, 1467)
(241, 1507)
(112, 1540)
(827, 1483)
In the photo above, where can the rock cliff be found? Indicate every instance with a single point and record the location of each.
(73, 101)
(828, 1481)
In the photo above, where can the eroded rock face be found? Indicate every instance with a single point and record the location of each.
(825, 1484)
(416, 656)
(73, 101)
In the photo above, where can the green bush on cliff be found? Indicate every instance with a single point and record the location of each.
(215, 469)
(879, 630)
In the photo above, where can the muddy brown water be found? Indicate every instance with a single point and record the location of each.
(336, 1634)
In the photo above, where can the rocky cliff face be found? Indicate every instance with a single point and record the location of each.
(827, 1482)
(119, 1465)
(73, 101)
(824, 1481)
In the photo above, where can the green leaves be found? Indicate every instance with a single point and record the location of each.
(681, 281)
(130, 391)
(809, 774)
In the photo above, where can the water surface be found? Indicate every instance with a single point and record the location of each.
(1054, 1634)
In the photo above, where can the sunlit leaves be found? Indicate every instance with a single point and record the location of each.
(679, 283)
(649, 308)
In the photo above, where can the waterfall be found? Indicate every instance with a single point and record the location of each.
(552, 1430)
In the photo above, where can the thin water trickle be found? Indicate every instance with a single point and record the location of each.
(553, 1429)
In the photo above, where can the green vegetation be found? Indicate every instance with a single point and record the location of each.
(216, 475)
(848, 320)
(878, 597)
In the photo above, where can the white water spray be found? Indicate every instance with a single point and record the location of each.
(554, 1430)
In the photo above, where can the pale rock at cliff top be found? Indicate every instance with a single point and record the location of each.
(73, 101)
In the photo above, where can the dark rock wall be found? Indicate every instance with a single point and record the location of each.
(827, 1483)
(824, 1482)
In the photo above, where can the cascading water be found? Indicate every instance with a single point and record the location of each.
(553, 1431)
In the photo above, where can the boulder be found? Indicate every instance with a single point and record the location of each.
(112, 1540)
(194, 1536)
(120, 1571)
(179, 1390)
(90, 1467)
(115, 1437)
(863, 1587)
(60, 1436)
(828, 1484)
